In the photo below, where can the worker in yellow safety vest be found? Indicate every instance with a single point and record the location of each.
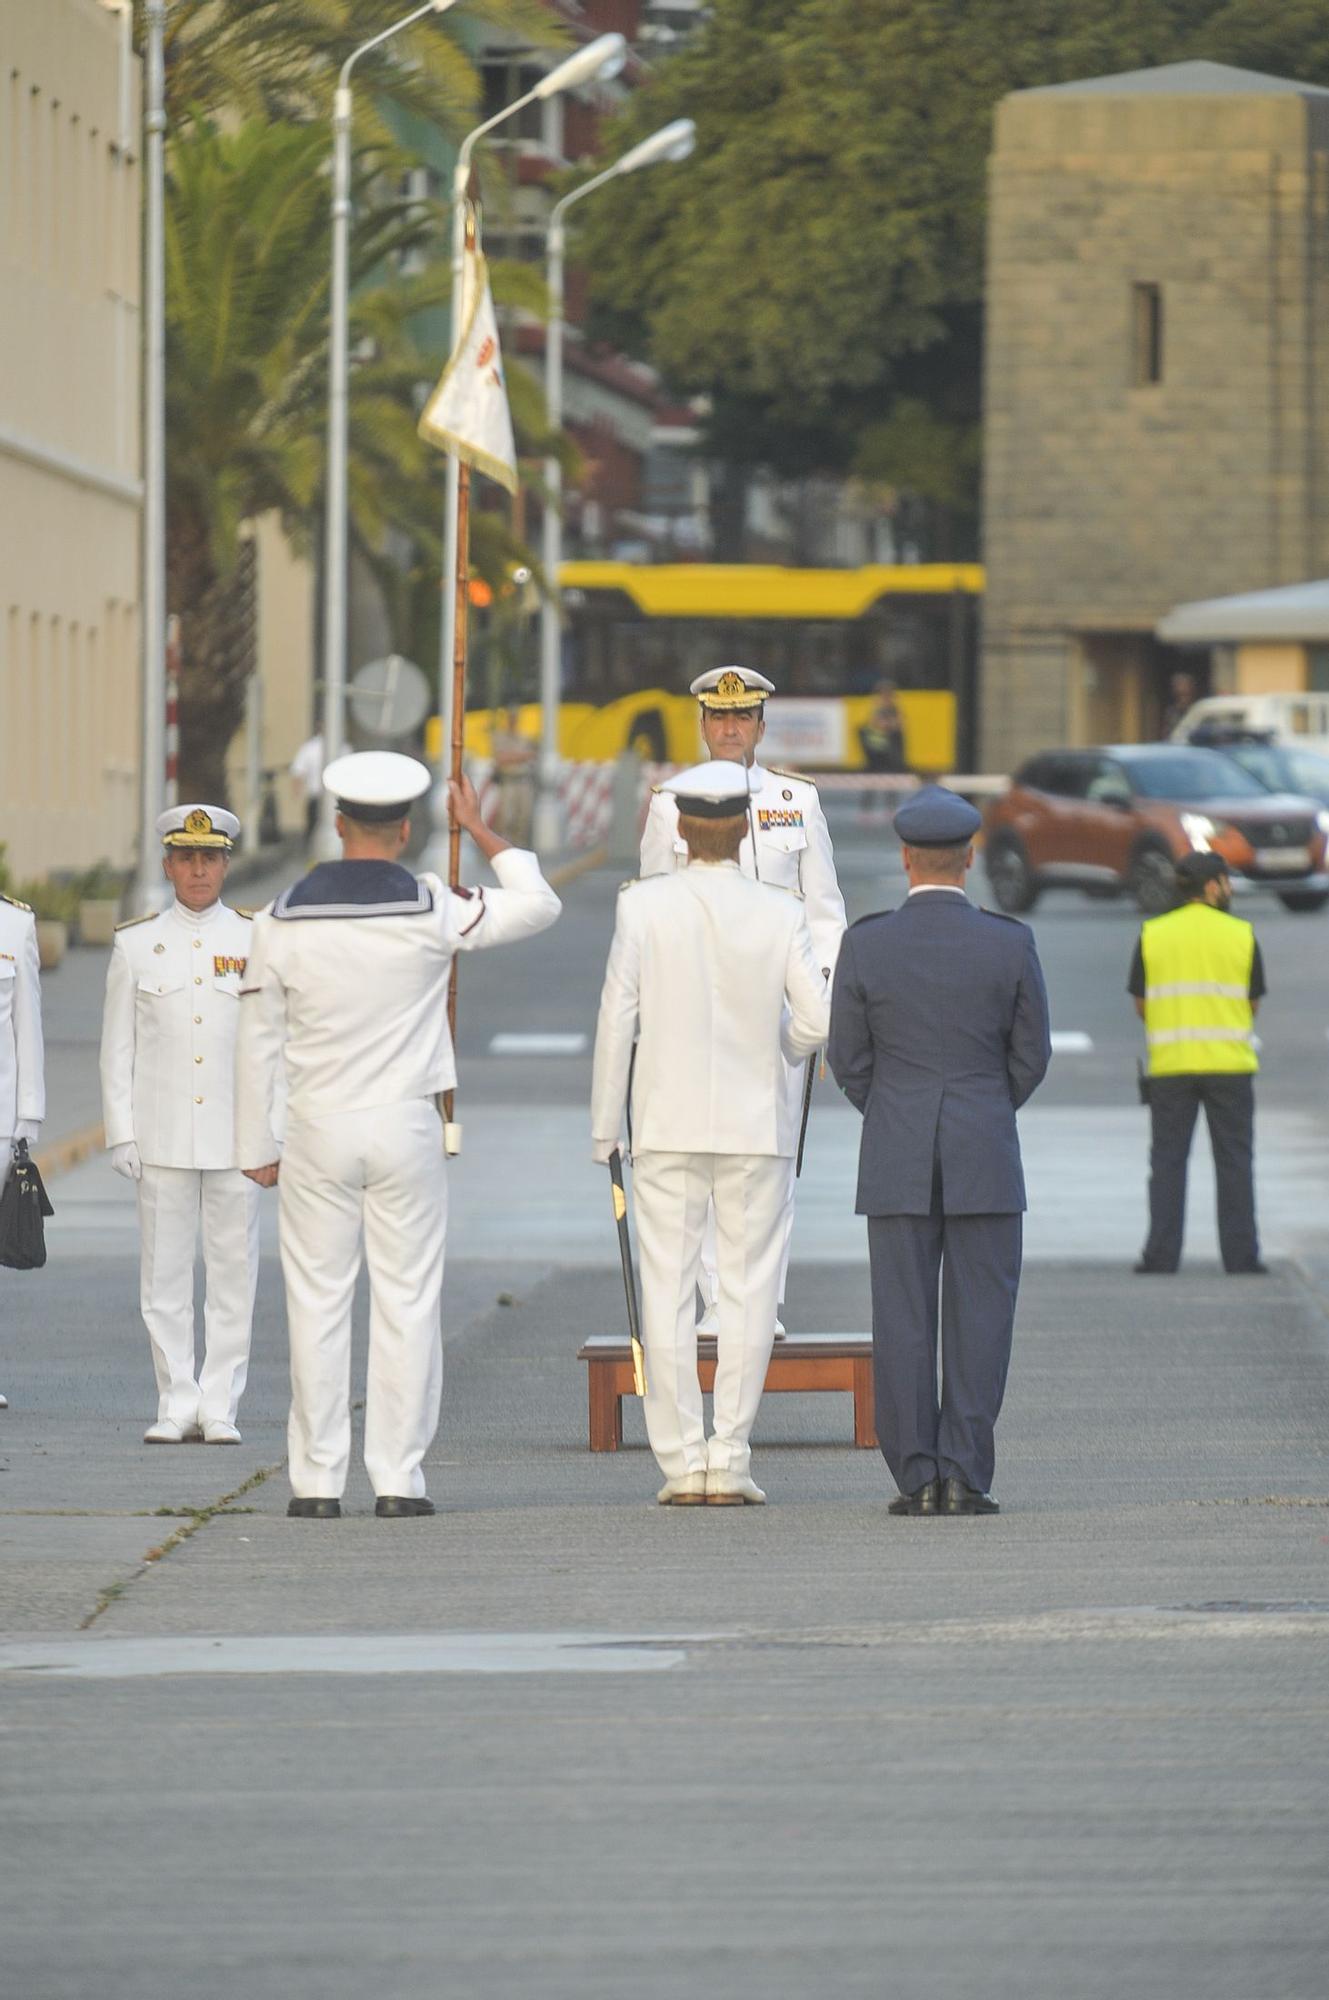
(1197, 978)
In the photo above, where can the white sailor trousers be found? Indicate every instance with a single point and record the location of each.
(380, 1171)
(173, 1202)
(671, 1192)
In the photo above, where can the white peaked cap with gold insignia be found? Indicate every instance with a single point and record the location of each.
(718, 790)
(376, 785)
(731, 687)
(198, 826)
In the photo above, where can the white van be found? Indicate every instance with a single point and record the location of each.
(1287, 718)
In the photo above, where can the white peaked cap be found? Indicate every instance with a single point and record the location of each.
(718, 790)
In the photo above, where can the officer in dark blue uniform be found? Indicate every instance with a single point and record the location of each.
(939, 1032)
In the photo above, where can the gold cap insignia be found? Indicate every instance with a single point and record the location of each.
(730, 685)
(198, 821)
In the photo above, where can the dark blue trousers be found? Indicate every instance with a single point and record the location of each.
(970, 1265)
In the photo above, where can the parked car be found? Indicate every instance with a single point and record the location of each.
(1284, 718)
(1120, 818)
(1282, 767)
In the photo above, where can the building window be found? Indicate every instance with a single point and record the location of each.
(1147, 334)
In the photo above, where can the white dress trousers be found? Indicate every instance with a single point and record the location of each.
(672, 1192)
(384, 1166)
(173, 1203)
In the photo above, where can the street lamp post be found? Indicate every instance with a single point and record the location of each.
(335, 565)
(671, 142)
(148, 883)
(597, 61)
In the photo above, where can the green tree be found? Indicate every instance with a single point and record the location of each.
(247, 332)
(816, 268)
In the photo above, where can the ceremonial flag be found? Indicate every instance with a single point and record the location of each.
(468, 411)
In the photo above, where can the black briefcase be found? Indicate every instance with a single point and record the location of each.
(23, 1207)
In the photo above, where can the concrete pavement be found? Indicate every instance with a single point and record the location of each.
(1075, 1750)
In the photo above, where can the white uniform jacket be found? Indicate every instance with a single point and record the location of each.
(718, 975)
(355, 992)
(793, 850)
(22, 1084)
(168, 1036)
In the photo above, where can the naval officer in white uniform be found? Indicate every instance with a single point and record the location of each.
(787, 842)
(716, 979)
(349, 978)
(22, 1074)
(167, 1068)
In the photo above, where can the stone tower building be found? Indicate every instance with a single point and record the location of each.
(1157, 381)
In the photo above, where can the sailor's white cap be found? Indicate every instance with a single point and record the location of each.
(198, 826)
(731, 687)
(376, 785)
(718, 790)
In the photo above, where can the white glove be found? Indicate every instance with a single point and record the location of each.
(29, 1129)
(125, 1160)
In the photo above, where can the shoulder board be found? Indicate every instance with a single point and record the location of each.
(15, 904)
(658, 792)
(631, 883)
(248, 915)
(130, 922)
(778, 771)
(870, 918)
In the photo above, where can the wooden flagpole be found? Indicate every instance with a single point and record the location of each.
(461, 630)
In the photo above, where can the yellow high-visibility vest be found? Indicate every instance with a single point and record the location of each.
(1198, 1016)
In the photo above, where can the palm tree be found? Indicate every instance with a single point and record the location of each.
(247, 330)
(278, 59)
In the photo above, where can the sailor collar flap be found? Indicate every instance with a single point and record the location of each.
(355, 889)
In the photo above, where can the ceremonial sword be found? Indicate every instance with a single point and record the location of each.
(629, 1276)
(808, 1081)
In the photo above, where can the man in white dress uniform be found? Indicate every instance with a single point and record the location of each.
(168, 1081)
(787, 842)
(349, 977)
(716, 979)
(22, 1075)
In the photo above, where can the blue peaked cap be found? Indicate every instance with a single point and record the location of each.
(934, 817)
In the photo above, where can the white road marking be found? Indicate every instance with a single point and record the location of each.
(537, 1045)
(351, 1653)
(1071, 1042)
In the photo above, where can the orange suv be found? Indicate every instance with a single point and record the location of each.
(1120, 818)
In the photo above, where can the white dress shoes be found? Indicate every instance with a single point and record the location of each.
(4, 1402)
(687, 1491)
(732, 1489)
(167, 1431)
(217, 1431)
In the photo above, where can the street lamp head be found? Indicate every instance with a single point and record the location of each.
(597, 62)
(671, 142)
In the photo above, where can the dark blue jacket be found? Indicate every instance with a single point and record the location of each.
(939, 1031)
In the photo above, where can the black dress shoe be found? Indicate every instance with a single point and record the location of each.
(1143, 1270)
(1255, 1270)
(924, 1499)
(396, 1506)
(957, 1498)
(316, 1507)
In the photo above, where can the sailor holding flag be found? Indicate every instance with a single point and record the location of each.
(347, 980)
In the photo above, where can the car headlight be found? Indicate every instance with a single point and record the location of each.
(1199, 829)
(1322, 821)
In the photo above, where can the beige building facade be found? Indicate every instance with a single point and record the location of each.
(70, 494)
(1157, 383)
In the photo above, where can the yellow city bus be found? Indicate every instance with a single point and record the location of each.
(636, 635)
